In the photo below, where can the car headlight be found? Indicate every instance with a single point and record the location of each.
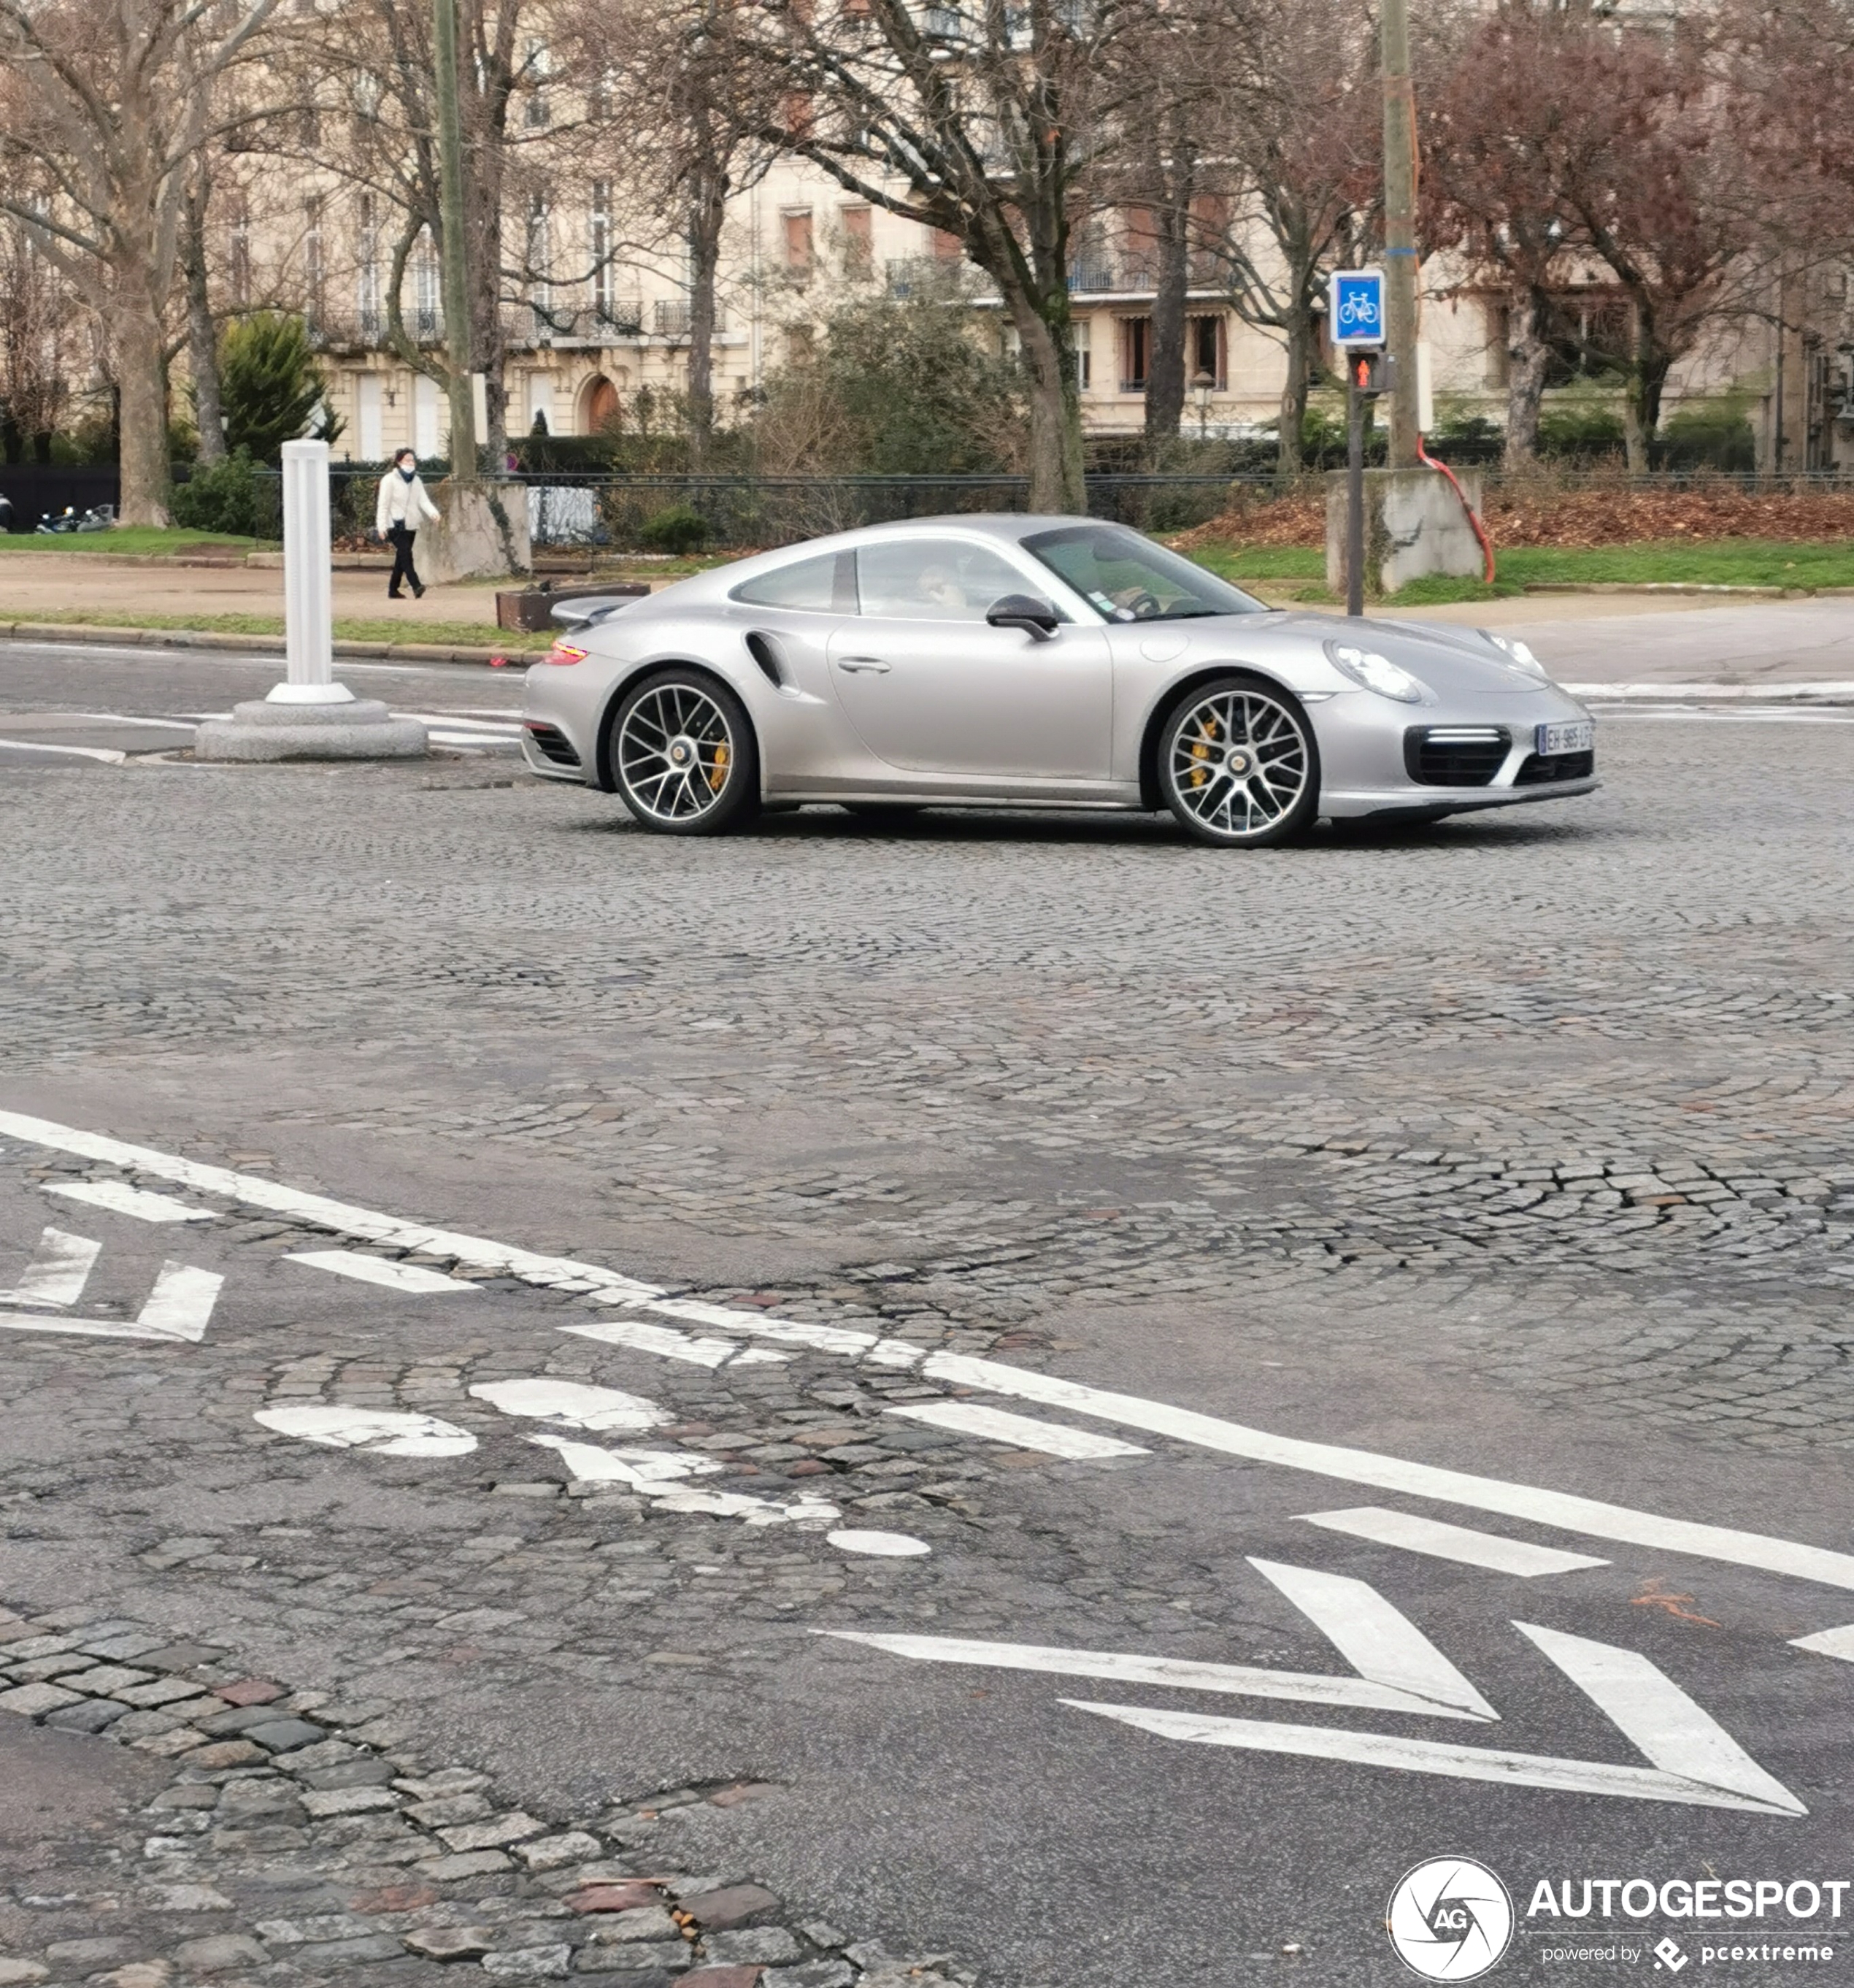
(1517, 653)
(1366, 667)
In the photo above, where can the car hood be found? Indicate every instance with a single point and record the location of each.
(1453, 662)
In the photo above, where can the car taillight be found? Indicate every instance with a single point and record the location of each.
(564, 652)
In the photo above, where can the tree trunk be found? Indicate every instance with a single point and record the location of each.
(1528, 356)
(138, 344)
(1165, 365)
(1292, 419)
(202, 334)
(708, 208)
(1056, 484)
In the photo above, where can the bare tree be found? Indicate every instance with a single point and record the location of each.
(113, 104)
(37, 310)
(984, 120)
(1301, 111)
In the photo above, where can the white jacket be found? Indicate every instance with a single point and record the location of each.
(403, 503)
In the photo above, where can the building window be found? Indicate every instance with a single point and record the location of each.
(427, 315)
(539, 263)
(1080, 341)
(1136, 353)
(1206, 350)
(241, 259)
(535, 114)
(1497, 334)
(600, 235)
(367, 288)
(798, 244)
(313, 270)
(858, 241)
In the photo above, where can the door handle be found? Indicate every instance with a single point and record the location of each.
(860, 665)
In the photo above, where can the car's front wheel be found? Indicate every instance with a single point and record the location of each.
(1237, 764)
(683, 755)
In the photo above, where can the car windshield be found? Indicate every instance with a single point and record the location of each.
(1127, 578)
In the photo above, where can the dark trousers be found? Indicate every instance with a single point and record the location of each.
(403, 568)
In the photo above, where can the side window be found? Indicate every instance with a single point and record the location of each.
(825, 585)
(933, 580)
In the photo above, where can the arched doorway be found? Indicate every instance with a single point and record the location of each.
(598, 406)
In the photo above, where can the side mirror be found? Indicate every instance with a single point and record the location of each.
(1025, 611)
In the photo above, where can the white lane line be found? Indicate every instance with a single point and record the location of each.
(388, 1432)
(108, 758)
(884, 1546)
(655, 1475)
(572, 1402)
(1762, 693)
(341, 1218)
(1415, 1534)
(1122, 1667)
(82, 1328)
(1828, 1642)
(1658, 1717)
(1431, 1756)
(378, 1270)
(181, 1305)
(1379, 1642)
(121, 1199)
(1637, 716)
(1021, 1431)
(1564, 1509)
(59, 1271)
(664, 1340)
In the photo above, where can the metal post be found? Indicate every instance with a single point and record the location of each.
(1400, 228)
(308, 607)
(1355, 489)
(456, 246)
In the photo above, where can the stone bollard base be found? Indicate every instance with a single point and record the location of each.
(361, 728)
(1414, 524)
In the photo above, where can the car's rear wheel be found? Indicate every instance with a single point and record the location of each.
(1237, 765)
(683, 755)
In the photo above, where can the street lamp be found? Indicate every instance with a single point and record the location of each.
(1203, 385)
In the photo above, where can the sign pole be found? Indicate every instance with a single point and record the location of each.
(1355, 489)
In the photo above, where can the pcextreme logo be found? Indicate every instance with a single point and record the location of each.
(1450, 1919)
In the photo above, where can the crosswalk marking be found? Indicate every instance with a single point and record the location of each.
(181, 1305)
(1431, 1757)
(1416, 1534)
(58, 1272)
(367, 1269)
(121, 1199)
(1022, 1431)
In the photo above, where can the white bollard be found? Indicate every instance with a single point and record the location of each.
(308, 594)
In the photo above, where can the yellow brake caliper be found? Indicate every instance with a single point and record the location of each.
(718, 778)
(1200, 749)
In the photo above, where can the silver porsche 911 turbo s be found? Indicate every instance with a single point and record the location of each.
(1015, 661)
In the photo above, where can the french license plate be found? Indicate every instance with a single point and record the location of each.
(1575, 735)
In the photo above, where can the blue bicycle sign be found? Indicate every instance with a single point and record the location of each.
(1355, 306)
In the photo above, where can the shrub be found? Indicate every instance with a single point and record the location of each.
(271, 386)
(1580, 428)
(1709, 434)
(225, 497)
(676, 529)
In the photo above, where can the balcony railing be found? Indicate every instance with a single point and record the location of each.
(671, 317)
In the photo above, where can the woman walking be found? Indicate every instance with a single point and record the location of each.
(403, 507)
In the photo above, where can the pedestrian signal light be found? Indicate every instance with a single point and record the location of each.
(1372, 374)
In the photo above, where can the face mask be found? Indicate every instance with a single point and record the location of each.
(407, 474)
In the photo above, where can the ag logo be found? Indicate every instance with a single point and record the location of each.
(1450, 1919)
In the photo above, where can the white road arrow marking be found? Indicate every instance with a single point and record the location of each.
(1431, 1756)
(57, 1275)
(121, 1199)
(378, 1270)
(390, 1432)
(1398, 1669)
(1416, 1534)
(1021, 1431)
(656, 1475)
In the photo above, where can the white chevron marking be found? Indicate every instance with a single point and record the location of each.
(121, 1199)
(57, 1275)
(1654, 1712)
(1416, 1534)
(1828, 1642)
(1398, 1669)
(181, 1305)
(1021, 1431)
(379, 1270)
(1429, 1756)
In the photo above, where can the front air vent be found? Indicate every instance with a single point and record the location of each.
(552, 743)
(766, 652)
(1454, 756)
(1540, 769)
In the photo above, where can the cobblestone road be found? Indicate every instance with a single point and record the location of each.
(1521, 1146)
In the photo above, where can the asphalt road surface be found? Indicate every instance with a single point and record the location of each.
(1049, 1404)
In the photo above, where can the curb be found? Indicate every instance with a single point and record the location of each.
(1704, 587)
(267, 645)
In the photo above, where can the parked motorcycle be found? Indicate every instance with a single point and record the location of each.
(100, 518)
